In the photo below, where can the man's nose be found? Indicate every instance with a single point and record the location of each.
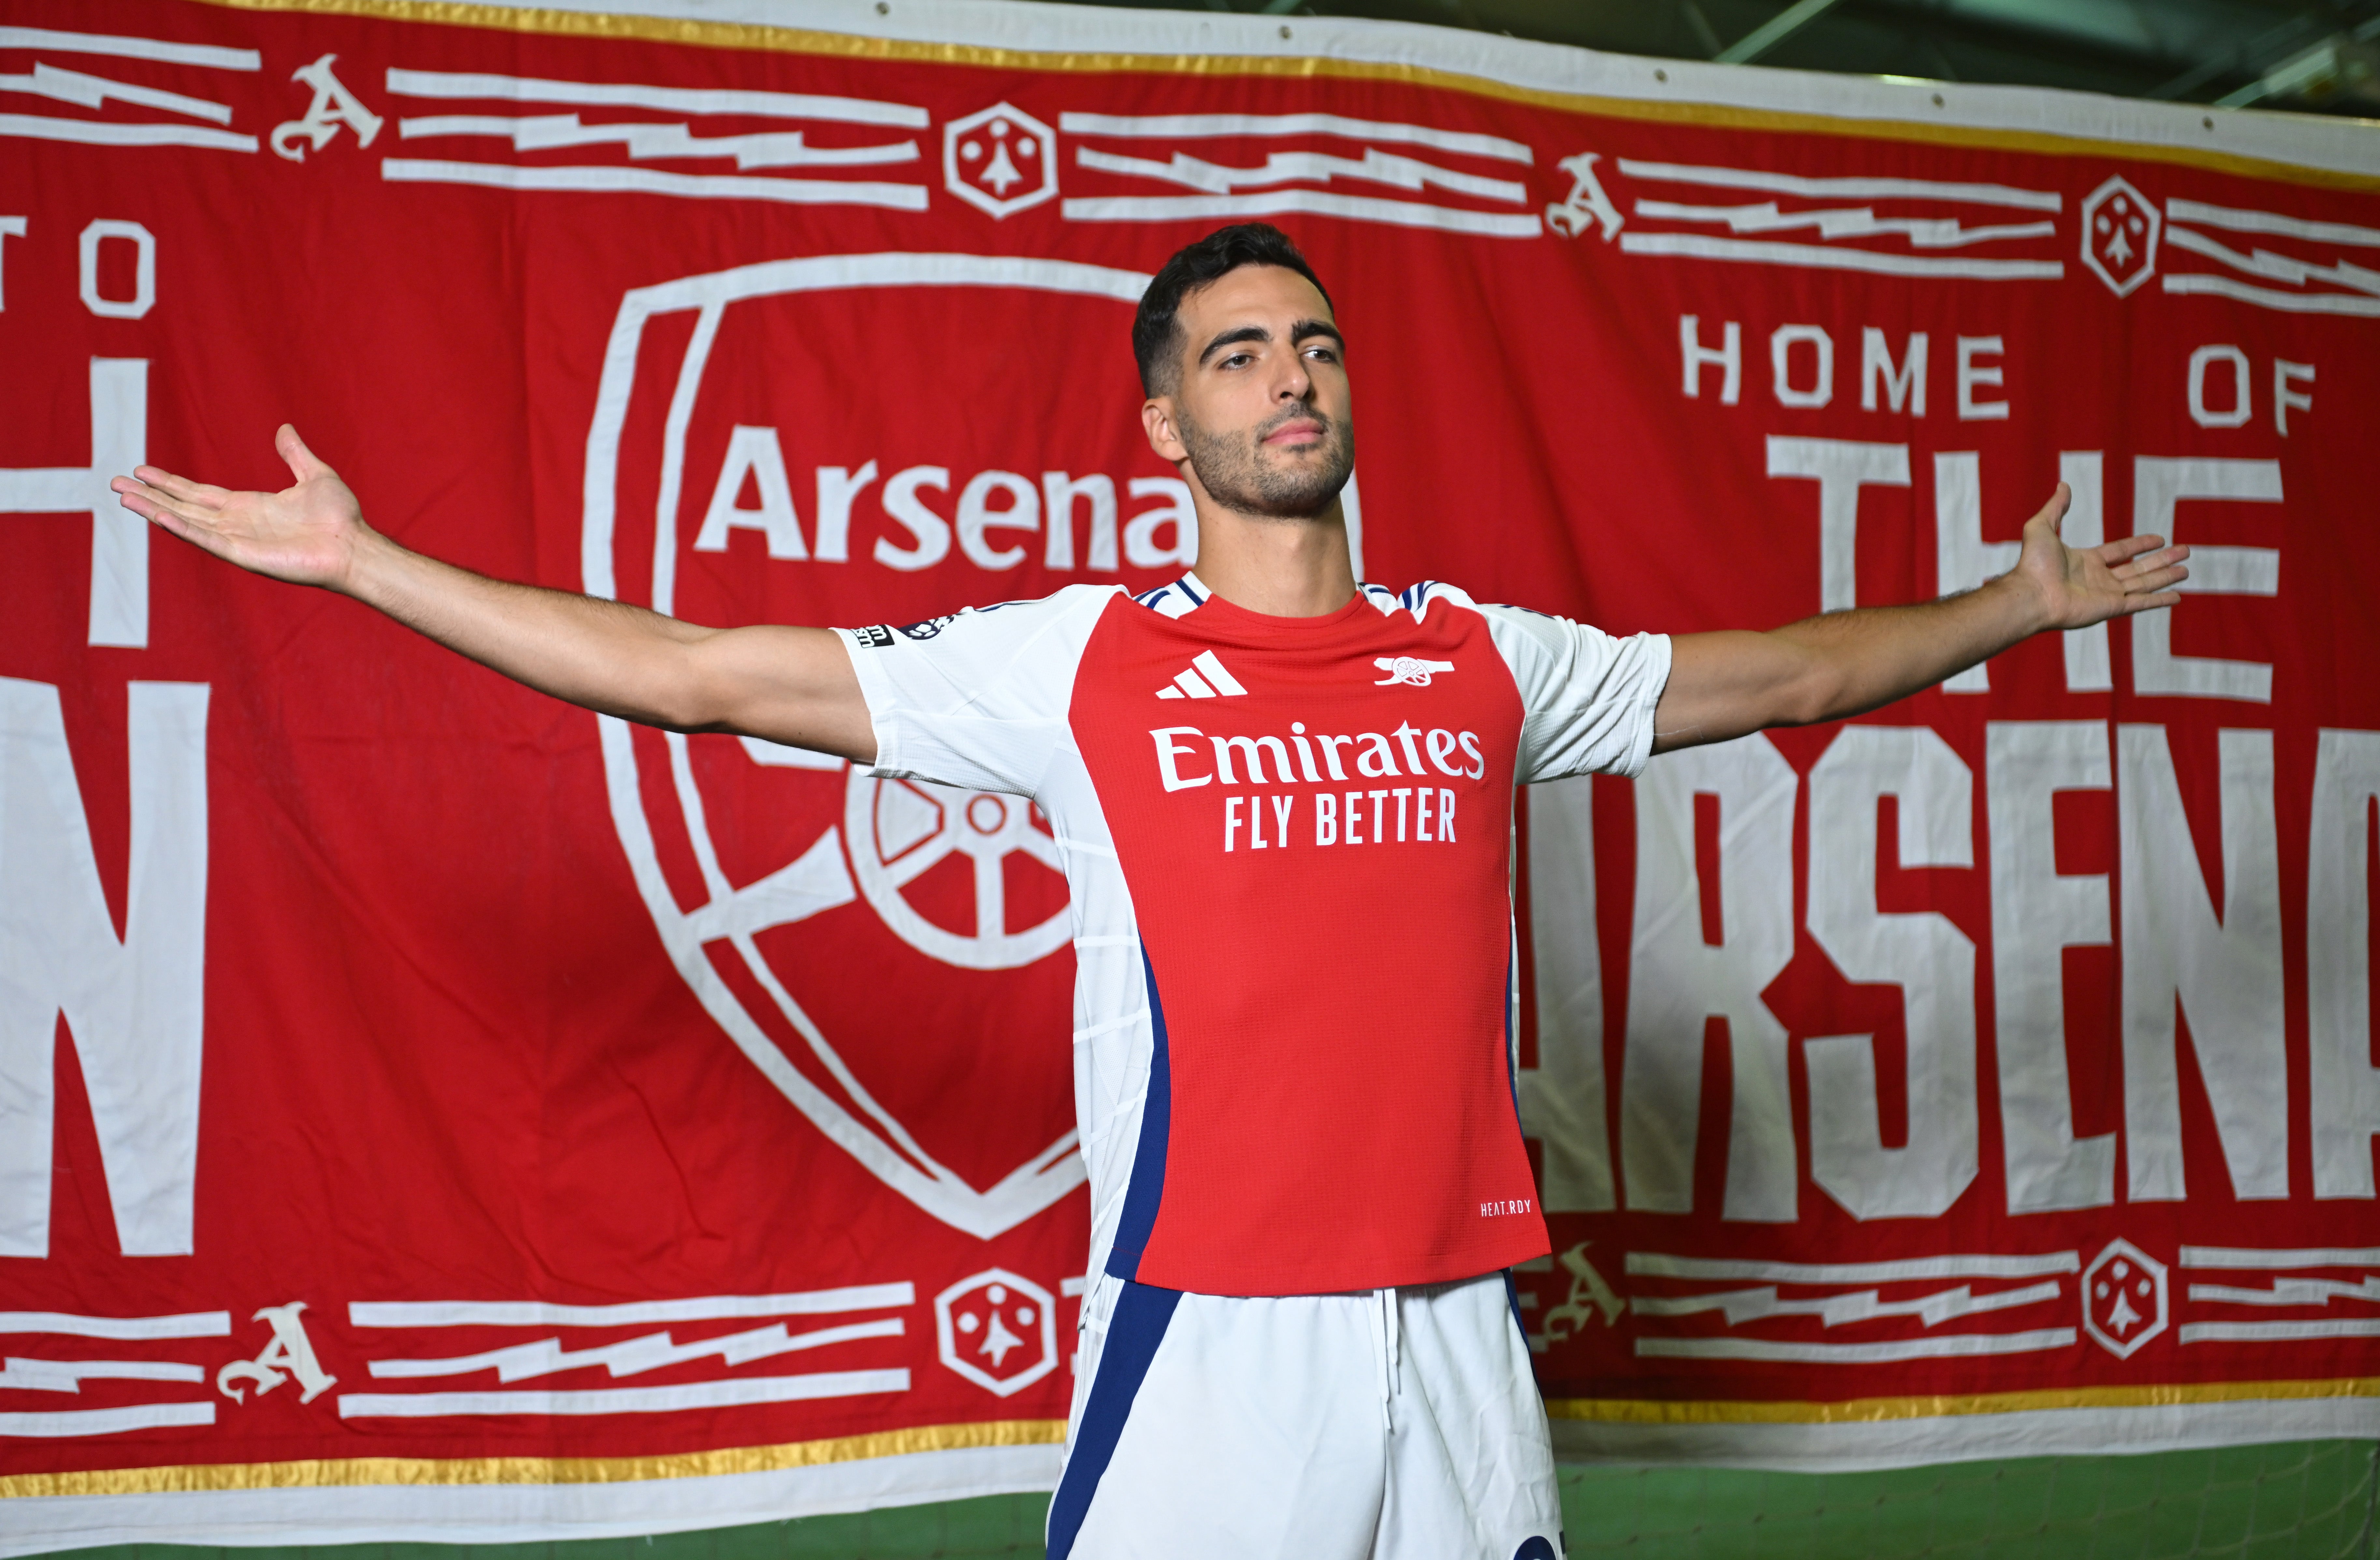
(1295, 383)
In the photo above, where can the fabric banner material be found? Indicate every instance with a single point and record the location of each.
(429, 1110)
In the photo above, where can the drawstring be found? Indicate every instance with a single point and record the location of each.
(1386, 1341)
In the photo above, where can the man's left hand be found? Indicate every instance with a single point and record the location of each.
(2079, 586)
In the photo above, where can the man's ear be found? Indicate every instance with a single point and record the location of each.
(1156, 422)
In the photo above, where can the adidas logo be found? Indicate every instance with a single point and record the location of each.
(1191, 685)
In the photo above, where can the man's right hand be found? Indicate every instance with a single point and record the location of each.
(308, 534)
(794, 686)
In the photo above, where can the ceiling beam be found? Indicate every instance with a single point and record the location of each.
(1775, 31)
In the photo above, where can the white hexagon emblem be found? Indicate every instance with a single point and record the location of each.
(999, 160)
(2119, 236)
(997, 1330)
(2123, 1299)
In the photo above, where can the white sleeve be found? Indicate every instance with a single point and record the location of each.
(977, 700)
(1589, 696)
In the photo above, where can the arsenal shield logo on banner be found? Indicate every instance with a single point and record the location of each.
(951, 881)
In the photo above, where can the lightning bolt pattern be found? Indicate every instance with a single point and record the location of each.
(634, 1356)
(1741, 1306)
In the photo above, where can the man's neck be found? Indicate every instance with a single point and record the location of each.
(1295, 568)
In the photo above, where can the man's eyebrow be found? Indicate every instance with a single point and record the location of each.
(1298, 332)
(1229, 338)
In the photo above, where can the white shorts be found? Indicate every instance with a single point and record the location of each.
(1380, 1425)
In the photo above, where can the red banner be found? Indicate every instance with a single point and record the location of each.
(426, 1108)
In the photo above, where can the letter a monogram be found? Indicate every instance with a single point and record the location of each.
(333, 105)
(290, 1350)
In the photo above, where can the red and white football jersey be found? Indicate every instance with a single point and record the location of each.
(1288, 842)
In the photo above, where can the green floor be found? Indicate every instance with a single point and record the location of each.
(2309, 1501)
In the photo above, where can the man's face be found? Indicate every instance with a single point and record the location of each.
(1261, 412)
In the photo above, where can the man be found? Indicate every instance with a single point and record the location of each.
(1283, 801)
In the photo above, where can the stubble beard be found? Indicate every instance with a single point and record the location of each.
(1238, 474)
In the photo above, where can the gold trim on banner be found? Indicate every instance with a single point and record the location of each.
(325, 1474)
(343, 1471)
(804, 40)
(1868, 1410)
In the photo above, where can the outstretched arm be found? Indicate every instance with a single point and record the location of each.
(1845, 663)
(793, 685)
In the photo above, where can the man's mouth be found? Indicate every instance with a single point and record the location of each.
(1298, 431)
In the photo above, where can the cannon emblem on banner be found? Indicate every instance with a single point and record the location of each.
(898, 830)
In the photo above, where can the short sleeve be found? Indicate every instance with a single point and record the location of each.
(977, 700)
(1589, 695)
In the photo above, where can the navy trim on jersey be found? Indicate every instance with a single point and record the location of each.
(1141, 1198)
(1142, 1313)
(1512, 1024)
(1180, 599)
(1512, 1296)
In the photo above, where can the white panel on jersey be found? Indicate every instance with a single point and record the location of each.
(980, 703)
(1589, 696)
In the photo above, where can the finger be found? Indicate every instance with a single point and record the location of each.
(142, 499)
(2115, 553)
(132, 487)
(2148, 604)
(136, 498)
(2156, 579)
(181, 487)
(151, 505)
(2147, 561)
(303, 463)
(2061, 498)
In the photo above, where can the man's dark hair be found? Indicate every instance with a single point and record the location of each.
(1157, 328)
